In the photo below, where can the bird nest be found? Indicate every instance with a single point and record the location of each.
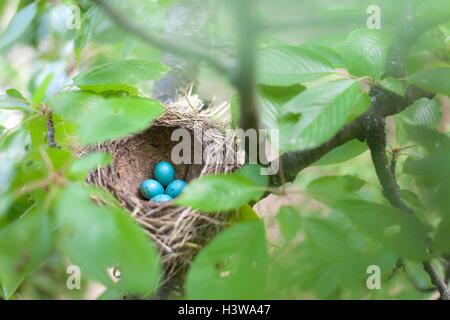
(179, 232)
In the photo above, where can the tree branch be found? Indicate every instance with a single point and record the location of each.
(436, 280)
(177, 48)
(376, 140)
(384, 103)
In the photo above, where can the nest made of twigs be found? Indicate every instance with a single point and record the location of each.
(179, 232)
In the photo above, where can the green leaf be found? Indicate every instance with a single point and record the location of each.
(243, 214)
(96, 238)
(347, 151)
(116, 117)
(331, 189)
(253, 172)
(15, 94)
(394, 85)
(317, 114)
(120, 76)
(364, 52)
(287, 66)
(412, 200)
(432, 80)
(397, 231)
(272, 99)
(18, 25)
(73, 105)
(102, 119)
(290, 221)
(424, 112)
(328, 53)
(24, 245)
(333, 248)
(219, 193)
(442, 237)
(40, 93)
(12, 103)
(81, 167)
(232, 266)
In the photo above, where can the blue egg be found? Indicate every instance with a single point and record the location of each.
(175, 188)
(164, 173)
(151, 188)
(161, 198)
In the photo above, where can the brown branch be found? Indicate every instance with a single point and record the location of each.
(437, 281)
(384, 103)
(376, 140)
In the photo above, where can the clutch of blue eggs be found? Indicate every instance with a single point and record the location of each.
(164, 187)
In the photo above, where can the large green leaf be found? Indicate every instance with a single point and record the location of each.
(330, 189)
(13, 103)
(287, 66)
(219, 193)
(433, 80)
(272, 99)
(333, 247)
(81, 167)
(442, 237)
(100, 119)
(424, 112)
(289, 220)
(24, 244)
(364, 52)
(342, 153)
(402, 233)
(232, 266)
(120, 76)
(96, 238)
(18, 25)
(215, 193)
(317, 114)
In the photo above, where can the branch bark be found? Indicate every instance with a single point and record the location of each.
(437, 281)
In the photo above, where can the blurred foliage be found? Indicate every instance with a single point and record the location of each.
(315, 62)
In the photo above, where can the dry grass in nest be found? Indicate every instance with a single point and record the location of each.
(179, 232)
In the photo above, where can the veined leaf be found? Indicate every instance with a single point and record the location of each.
(364, 52)
(219, 193)
(317, 114)
(287, 66)
(100, 119)
(347, 151)
(120, 76)
(434, 80)
(424, 112)
(332, 247)
(24, 244)
(215, 193)
(272, 100)
(96, 238)
(331, 189)
(232, 266)
(402, 233)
